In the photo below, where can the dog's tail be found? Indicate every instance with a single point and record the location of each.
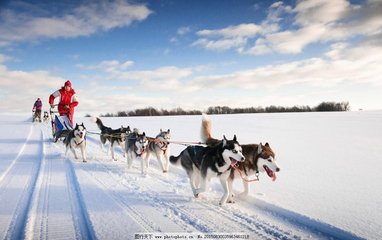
(98, 122)
(175, 160)
(205, 129)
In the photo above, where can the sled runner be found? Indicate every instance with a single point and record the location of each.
(60, 125)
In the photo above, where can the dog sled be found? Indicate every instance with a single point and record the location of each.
(61, 125)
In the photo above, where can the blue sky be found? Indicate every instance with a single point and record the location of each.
(122, 55)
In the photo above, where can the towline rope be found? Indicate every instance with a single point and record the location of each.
(244, 178)
(151, 139)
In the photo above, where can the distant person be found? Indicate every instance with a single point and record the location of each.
(68, 100)
(37, 107)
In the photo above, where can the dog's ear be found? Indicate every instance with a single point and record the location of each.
(168, 130)
(234, 138)
(266, 144)
(259, 148)
(160, 130)
(224, 140)
(144, 134)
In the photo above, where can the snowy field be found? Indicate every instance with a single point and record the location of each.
(329, 186)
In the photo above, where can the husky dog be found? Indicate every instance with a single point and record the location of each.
(160, 147)
(76, 139)
(136, 146)
(258, 158)
(202, 163)
(46, 116)
(114, 136)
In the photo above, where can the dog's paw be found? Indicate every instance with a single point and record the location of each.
(84, 161)
(164, 171)
(196, 195)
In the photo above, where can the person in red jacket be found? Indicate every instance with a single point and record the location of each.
(68, 100)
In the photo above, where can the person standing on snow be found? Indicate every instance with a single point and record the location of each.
(68, 100)
(37, 107)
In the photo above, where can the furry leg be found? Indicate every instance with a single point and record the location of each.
(83, 152)
(112, 152)
(230, 194)
(203, 186)
(192, 182)
(143, 166)
(74, 152)
(246, 189)
(223, 181)
(158, 155)
(166, 159)
(129, 160)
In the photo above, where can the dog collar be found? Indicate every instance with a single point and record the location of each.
(78, 143)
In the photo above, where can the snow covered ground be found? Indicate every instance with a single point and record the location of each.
(329, 186)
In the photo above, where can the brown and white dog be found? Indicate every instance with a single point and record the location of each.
(258, 158)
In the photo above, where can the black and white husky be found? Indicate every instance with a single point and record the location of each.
(46, 116)
(259, 158)
(76, 138)
(113, 136)
(136, 147)
(160, 147)
(202, 163)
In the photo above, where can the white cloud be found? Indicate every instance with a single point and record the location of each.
(320, 11)
(220, 45)
(81, 21)
(345, 65)
(242, 30)
(183, 30)
(111, 66)
(123, 88)
(227, 38)
(313, 21)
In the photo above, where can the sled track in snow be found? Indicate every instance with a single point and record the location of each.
(27, 164)
(43, 222)
(83, 224)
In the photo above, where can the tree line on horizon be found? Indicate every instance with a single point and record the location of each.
(150, 111)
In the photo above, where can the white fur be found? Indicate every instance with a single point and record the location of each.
(132, 154)
(161, 154)
(227, 154)
(79, 141)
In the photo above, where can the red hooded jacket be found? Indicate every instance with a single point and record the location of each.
(67, 98)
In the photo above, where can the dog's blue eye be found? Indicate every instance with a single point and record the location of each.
(234, 151)
(269, 160)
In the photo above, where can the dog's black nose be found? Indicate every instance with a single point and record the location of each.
(277, 169)
(242, 158)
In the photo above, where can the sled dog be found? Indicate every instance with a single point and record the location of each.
(76, 139)
(202, 163)
(160, 147)
(114, 136)
(136, 147)
(258, 158)
(46, 117)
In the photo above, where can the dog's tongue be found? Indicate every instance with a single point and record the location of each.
(274, 177)
(233, 162)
